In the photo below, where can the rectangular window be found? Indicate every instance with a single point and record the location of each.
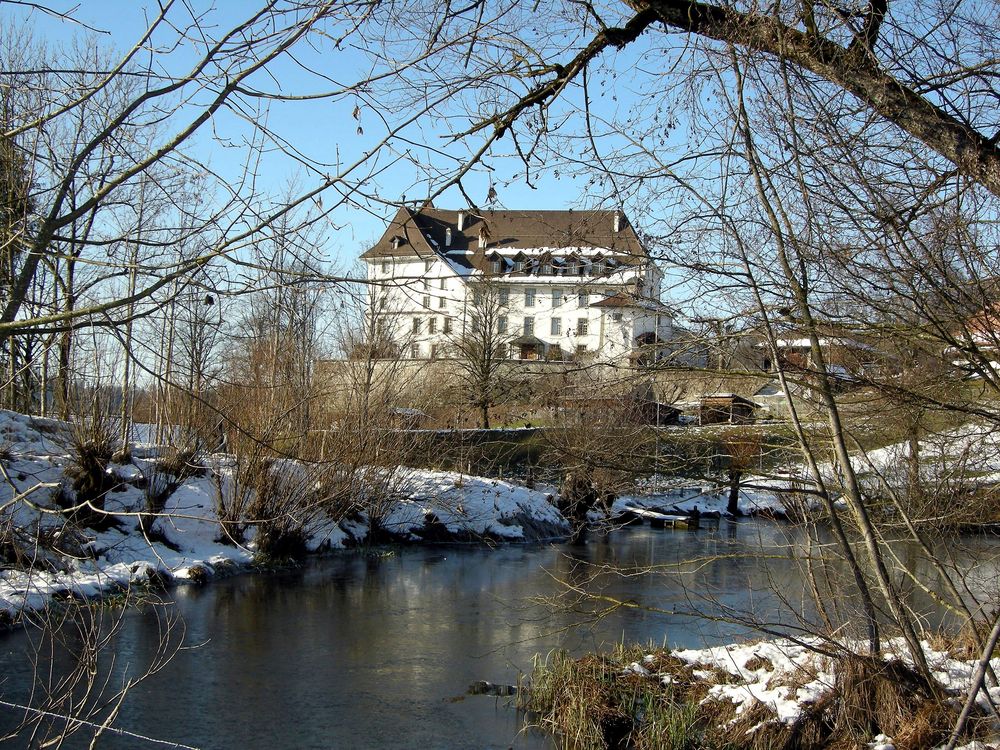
(581, 349)
(529, 326)
(414, 351)
(504, 296)
(582, 299)
(496, 266)
(432, 325)
(427, 265)
(382, 302)
(581, 327)
(502, 324)
(441, 303)
(545, 269)
(617, 317)
(416, 325)
(427, 301)
(556, 326)
(477, 297)
(385, 267)
(443, 282)
(447, 325)
(434, 351)
(529, 297)
(557, 297)
(518, 266)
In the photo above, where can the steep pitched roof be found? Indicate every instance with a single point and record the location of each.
(403, 238)
(425, 233)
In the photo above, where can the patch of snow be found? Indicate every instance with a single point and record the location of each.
(881, 742)
(39, 452)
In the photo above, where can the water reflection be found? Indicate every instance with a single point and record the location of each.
(378, 650)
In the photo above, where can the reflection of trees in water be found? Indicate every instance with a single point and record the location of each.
(376, 627)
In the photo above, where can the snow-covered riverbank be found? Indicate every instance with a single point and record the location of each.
(804, 693)
(44, 556)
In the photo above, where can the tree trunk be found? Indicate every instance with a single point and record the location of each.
(733, 507)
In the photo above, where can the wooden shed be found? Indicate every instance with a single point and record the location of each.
(725, 408)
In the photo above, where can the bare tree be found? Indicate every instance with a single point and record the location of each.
(481, 348)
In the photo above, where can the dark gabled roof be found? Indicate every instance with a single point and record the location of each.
(616, 300)
(527, 339)
(402, 238)
(424, 233)
(627, 299)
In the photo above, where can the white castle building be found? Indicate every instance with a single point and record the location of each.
(569, 285)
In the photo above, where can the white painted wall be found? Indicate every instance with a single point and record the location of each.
(436, 293)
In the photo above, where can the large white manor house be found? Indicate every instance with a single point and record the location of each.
(567, 284)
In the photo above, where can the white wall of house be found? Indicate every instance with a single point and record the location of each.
(427, 302)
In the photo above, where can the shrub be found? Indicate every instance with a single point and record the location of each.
(94, 438)
(162, 479)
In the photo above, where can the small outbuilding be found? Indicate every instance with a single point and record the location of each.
(726, 408)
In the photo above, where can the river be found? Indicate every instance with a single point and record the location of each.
(377, 650)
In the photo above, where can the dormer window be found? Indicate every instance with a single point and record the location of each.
(518, 265)
(495, 263)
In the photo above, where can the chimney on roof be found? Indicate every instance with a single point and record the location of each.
(447, 237)
(461, 220)
(618, 221)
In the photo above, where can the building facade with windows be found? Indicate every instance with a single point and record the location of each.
(561, 285)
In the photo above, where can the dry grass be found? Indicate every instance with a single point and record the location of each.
(598, 702)
(755, 663)
(757, 728)
(886, 697)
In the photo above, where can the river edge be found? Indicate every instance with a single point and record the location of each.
(47, 558)
(807, 693)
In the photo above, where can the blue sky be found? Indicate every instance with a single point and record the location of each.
(325, 131)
